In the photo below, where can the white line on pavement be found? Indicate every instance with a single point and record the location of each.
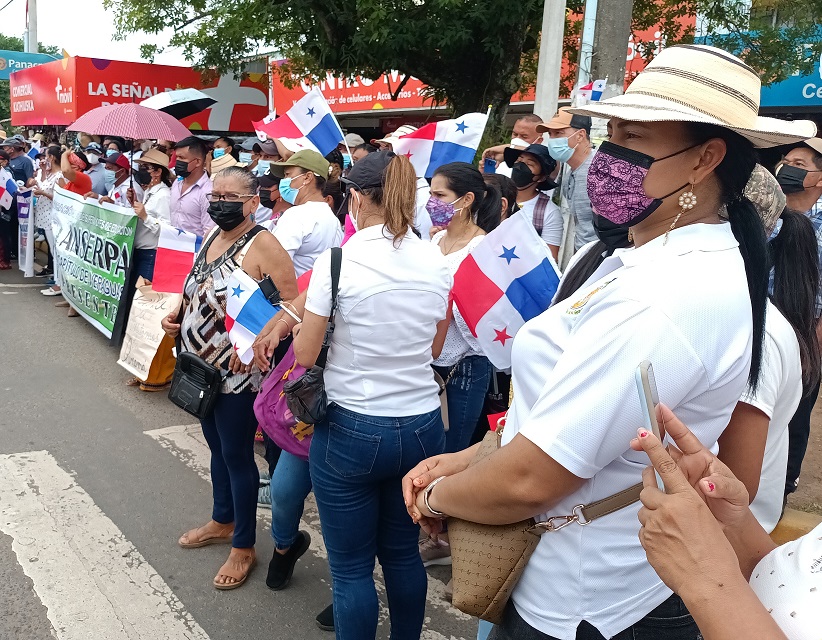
(187, 443)
(93, 581)
(4, 285)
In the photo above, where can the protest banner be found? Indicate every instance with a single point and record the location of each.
(25, 232)
(144, 331)
(93, 247)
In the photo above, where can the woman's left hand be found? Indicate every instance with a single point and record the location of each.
(679, 533)
(235, 365)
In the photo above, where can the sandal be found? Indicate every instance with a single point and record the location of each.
(134, 382)
(195, 541)
(228, 571)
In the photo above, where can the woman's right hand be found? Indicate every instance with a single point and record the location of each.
(267, 341)
(170, 326)
(446, 464)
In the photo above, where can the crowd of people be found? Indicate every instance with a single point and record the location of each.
(691, 249)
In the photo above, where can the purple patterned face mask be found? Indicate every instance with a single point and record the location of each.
(441, 212)
(615, 184)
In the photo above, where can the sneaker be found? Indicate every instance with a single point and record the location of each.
(264, 496)
(39, 237)
(264, 478)
(325, 619)
(43, 273)
(281, 567)
(435, 552)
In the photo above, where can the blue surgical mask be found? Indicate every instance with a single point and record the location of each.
(219, 152)
(110, 153)
(346, 160)
(245, 157)
(287, 192)
(559, 150)
(111, 178)
(262, 167)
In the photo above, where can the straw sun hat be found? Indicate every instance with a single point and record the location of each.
(697, 83)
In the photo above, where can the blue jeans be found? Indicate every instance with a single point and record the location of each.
(229, 431)
(466, 391)
(484, 630)
(357, 465)
(143, 263)
(290, 485)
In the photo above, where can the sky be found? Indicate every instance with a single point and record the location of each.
(84, 30)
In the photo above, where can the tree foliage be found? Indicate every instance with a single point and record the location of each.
(13, 43)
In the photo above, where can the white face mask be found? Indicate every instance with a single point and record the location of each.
(351, 215)
(145, 146)
(93, 158)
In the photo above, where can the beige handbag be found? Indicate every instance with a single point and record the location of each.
(488, 560)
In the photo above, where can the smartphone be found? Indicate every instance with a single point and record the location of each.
(648, 395)
(489, 165)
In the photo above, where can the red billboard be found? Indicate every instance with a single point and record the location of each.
(59, 92)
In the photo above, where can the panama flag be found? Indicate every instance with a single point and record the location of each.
(258, 125)
(176, 250)
(593, 90)
(439, 143)
(35, 149)
(509, 278)
(247, 312)
(309, 122)
(8, 189)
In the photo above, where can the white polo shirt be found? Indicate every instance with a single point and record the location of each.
(390, 301)
(683, 306)
(305, 231)
(777, 396)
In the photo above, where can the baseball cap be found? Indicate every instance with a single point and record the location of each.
(14, 141)
(249, 144)
(391, 138)
(540, 152)
(269, 148)
(815, 144)
(268, 181)
(564, 119)
(117, 158)
(94, 148)
(305, 159)
(369, 172)
(353, 140)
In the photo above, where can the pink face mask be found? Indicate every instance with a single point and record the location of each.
(615, 184)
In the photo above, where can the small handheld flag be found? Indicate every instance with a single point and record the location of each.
(438, 143)
(176, 250)
(309, 122)
(593, 90)
(247, 312)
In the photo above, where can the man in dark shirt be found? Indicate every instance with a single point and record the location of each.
(22, 170)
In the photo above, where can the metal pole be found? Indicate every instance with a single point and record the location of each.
(33, 47)
(586, 49)
(611, 44)
(550, 58)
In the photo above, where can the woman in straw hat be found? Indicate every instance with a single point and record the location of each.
(689, 297)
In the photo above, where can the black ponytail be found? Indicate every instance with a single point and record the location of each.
(733, 174)
(796, 281)
(465, 178)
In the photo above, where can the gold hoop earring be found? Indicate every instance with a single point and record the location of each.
(630, 235)
(687, 201)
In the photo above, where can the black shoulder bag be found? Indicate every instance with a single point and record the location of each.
(196, 383)
(305, 396)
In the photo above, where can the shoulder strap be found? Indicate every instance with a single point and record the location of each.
(336, 264)
(539, 212)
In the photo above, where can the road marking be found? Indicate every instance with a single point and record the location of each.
(94, 582)
(4, 285)
(186, 442)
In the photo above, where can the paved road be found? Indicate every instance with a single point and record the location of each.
(99, 480)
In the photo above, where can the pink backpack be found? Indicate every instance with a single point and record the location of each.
(273, 414)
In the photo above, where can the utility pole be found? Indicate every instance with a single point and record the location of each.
(613, 29)
(30, 38)
(550, 58)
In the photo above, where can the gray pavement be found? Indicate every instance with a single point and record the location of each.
(61, 391)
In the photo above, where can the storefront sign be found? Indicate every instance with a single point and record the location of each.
(11, 61)
(796, 91)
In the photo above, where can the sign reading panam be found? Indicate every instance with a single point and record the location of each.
(11, 61)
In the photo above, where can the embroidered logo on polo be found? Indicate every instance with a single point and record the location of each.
(577, 307)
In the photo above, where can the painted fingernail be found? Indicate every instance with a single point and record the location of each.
(711, 486)
(643, 434)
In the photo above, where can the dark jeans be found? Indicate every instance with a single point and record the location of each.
(466, 391)
(799, 430)
(229, 431)
(143, 264)
(669, 621)
(357, 463)
(8, 242)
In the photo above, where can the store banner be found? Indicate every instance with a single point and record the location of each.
(93, 248)
(25, 232)
(144, 331)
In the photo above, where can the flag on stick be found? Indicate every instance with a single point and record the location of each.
(247, 312)
(176, 250)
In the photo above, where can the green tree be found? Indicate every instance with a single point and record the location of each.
(468, 52)
(13, 43)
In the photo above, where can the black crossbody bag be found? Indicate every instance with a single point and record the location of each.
(196, 383)
(305, 396)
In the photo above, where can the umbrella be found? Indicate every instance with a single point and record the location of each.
(180, 103)
(132, 121)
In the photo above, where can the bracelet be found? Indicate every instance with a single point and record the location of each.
(285, 323)
(427, 493)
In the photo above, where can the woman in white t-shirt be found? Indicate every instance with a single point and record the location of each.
(690, 297)
(706, 544)
(384, 412)
(309, 227)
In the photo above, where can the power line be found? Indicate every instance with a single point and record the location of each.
(6, 5)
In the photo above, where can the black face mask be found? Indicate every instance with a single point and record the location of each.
(142, 177)
(521, 175)
(791, 179)
(181, 169)
(265, 199)
(614, 236)
(226, 215)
